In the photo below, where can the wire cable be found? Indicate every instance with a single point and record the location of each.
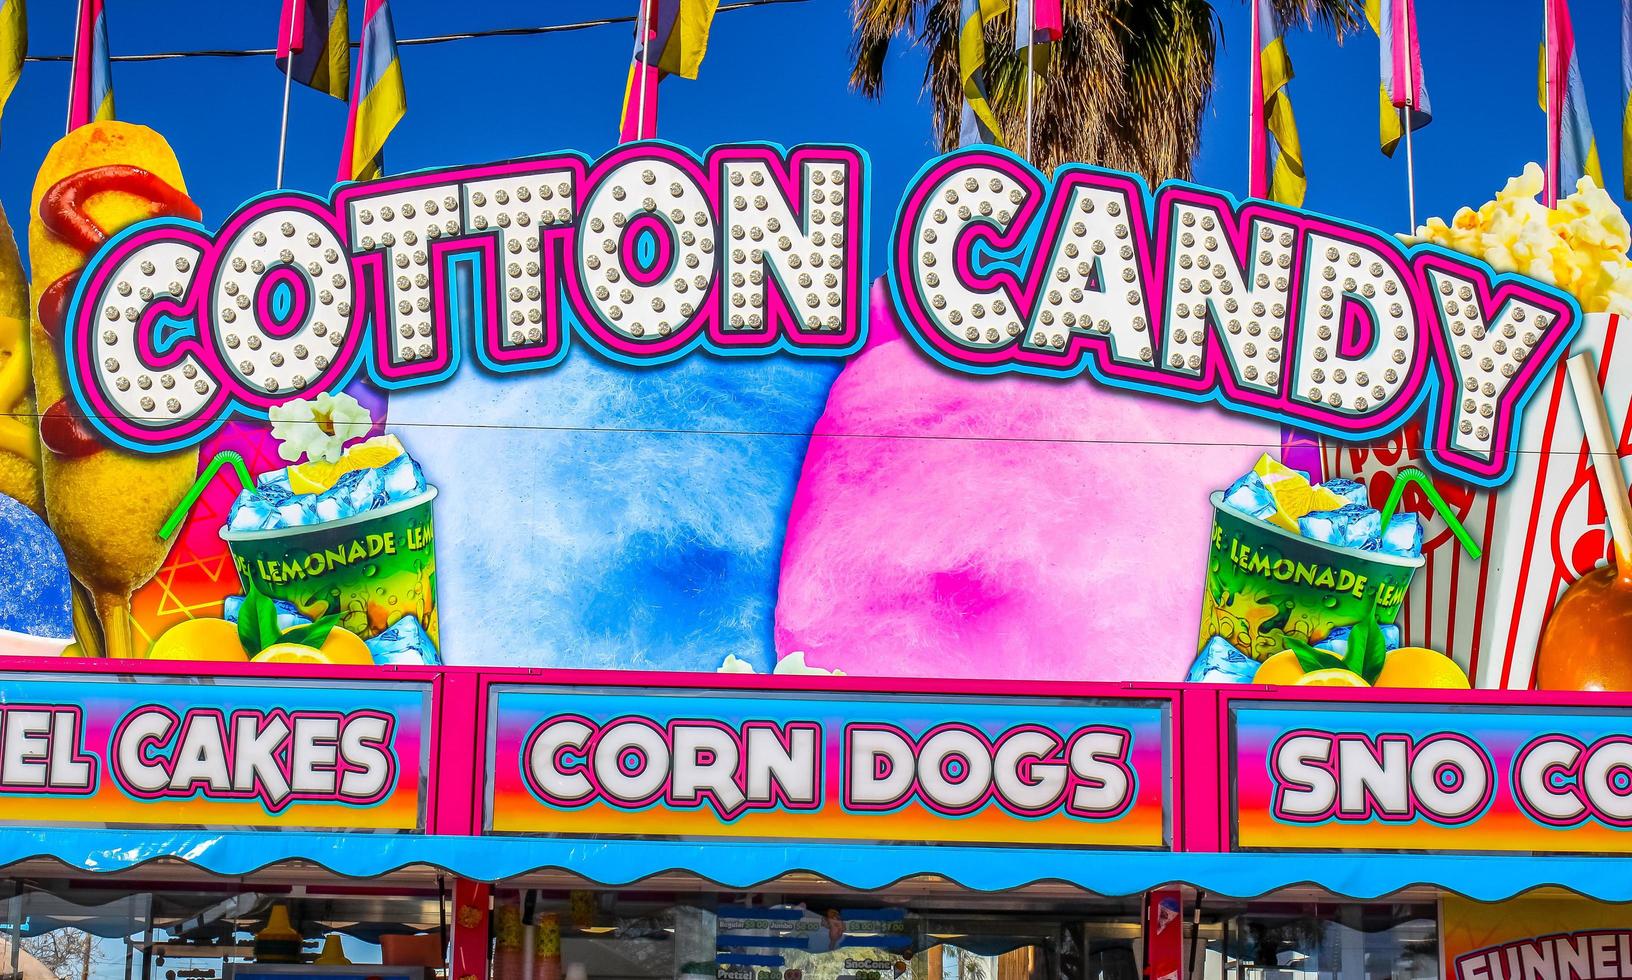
(412, 41)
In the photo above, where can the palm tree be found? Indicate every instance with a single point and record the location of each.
(1129, 83)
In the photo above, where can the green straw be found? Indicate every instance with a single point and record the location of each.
(197, 489)
(1413, 475)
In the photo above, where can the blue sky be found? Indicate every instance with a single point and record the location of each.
(479, 100)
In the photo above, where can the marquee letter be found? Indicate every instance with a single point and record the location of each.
(281, 297)
(882, 768)
(631, 761)
(705, 761)
(646, 261)
(1533, 780)
(1358, 342)
(363, 746)
(1230, 282)
(544, 771)
(1495, 344)
(773, 767)
(792, 265)
(1098, 757)
(1305, 788)
(255, 745)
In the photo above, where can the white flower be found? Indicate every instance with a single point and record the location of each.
(794, 663)
(318, 428)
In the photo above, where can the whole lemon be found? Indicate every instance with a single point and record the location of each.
(199, 639)
(1422, 667)
(345, 647)
(1281, 668)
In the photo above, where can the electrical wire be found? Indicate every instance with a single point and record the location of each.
(412, 41)
(1273, 444)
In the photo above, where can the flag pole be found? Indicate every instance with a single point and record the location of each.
(1410, 111)
(1252, 87)
(644, 22)
(288, 72)
(1031, 69)
(1550, 185)
(73, 66)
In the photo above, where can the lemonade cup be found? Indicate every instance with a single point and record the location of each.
(1265, 584)
(371, 568)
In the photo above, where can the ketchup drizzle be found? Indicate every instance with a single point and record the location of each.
(62, 211)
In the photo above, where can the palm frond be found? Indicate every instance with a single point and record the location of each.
(1128, 86)
(877, 23)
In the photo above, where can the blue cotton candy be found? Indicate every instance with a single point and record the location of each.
(34, 590)
(597, 515)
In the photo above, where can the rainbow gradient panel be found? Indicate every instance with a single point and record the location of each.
(133, 751)
(829, 767)
(1431, 778)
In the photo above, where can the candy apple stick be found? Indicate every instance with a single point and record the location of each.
(1606, 458)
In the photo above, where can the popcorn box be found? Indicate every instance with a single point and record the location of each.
(1539, 533)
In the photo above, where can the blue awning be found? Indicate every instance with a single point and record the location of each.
(742, 865)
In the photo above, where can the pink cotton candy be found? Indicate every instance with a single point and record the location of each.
(1071, 547)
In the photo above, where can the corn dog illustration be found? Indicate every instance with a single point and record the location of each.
(19, 439)
(106, 505)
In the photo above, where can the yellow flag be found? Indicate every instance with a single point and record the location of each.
(1287, 183)
(13, 46)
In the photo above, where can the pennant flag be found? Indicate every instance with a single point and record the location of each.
(377, 99)
(1272, 115)
(978, 124)
(1626, 99)
(1037, 25)
(316, 35)
(1403, 93)
(676, 41)
(13, 46)
(90, 92)
(1569, 127)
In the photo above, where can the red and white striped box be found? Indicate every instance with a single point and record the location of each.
(1539, 533)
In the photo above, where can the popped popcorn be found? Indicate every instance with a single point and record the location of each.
(1580, 246)
(318, 428)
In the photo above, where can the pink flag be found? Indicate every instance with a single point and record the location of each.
(1405, 82)
(90, 92)
(1257, 133)
(1037, 22)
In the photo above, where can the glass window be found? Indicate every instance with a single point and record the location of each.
(1320, 941)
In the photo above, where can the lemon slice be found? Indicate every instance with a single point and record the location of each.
(317, 476)
(1321, 498)
(291, 653)
(1332, 677)
(369, 454)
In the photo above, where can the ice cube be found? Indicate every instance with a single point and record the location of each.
(1249, 496)
(1337, 641)
(354, 493)
(277, 493)
(1352, 491)
(273, 478)
(1350, 526)
(1219, 662)
(289, 615)
(404, 644)
(253, 512)
(403, 479)
(298, 511)
(1403, 536)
